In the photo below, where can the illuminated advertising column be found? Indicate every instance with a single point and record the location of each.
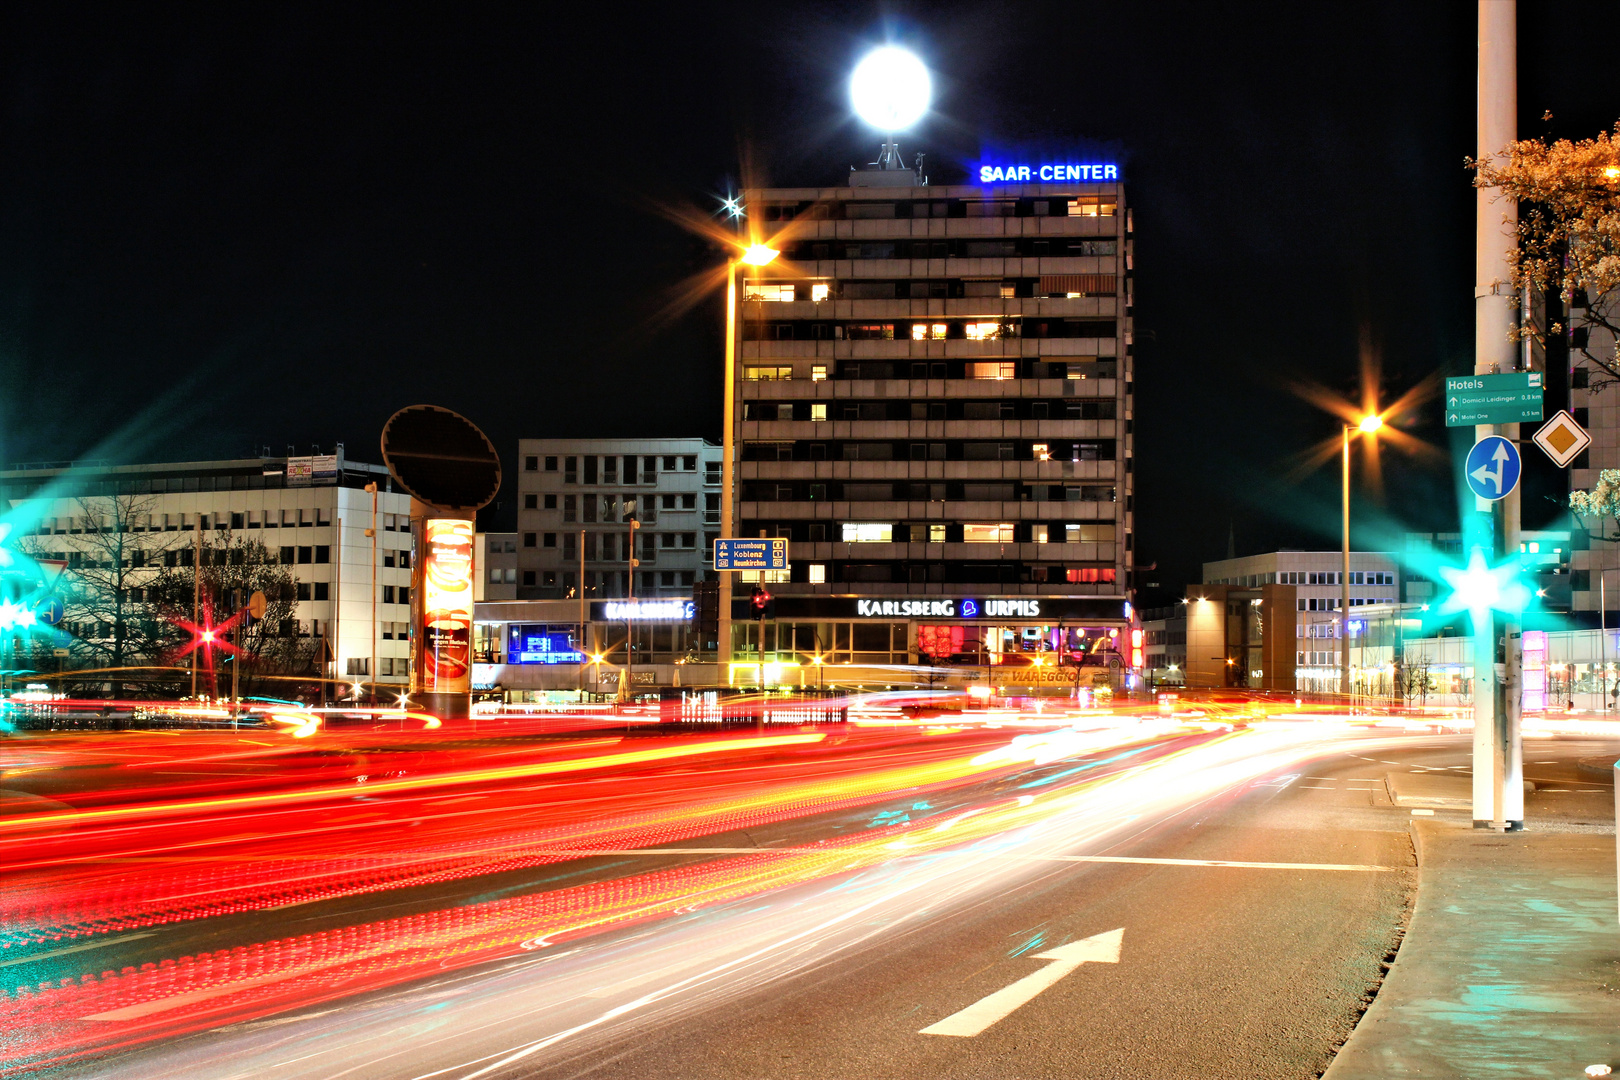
(442, 606)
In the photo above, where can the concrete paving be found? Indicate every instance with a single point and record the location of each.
(1511, 965)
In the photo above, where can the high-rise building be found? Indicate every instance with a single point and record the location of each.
(934, 404)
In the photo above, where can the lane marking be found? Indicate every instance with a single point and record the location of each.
(1316, 787)
(1097, 949)
(1362, 867)
(1423, 813)
(76, 948)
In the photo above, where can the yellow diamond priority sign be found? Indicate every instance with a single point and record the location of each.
(1562, 439)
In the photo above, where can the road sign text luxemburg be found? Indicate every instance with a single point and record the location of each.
(1493, 399)
(766, 554)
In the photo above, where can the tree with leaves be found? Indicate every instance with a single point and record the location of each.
(1568, 238)
(276, 658)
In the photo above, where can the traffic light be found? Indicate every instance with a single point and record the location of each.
(706, 595)
(761, 603)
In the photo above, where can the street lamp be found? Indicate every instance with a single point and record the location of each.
(1369, 426)
(753, 255)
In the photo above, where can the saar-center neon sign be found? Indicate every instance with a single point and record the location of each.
(1055, 173)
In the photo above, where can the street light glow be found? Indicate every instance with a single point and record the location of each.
(759, 255)
(1370, 423)
(890, 89)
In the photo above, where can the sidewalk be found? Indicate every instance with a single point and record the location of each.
(1511, 965)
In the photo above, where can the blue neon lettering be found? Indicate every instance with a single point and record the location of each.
(1051, 172)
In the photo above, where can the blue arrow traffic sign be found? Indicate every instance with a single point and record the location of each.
(49, 612)
(1492, 469)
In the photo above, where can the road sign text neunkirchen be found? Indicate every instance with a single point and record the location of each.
(767, 554)
(1493, 399)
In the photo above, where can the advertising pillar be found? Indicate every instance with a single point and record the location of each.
(442, 614)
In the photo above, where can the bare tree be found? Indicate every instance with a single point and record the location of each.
(275, 652)
(112, 555)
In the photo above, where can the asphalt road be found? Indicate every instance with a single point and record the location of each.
(1239, 970)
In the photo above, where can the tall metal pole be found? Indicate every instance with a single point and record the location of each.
(1344, 581)
(1494, 527)
(727, 477)
(372, 533)
(196, 600)
(580, 643)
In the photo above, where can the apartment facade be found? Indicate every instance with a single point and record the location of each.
(311, 512)
(934, 399)
(577, 498)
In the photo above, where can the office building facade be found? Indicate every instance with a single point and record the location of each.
(576, 498)
(310, 512)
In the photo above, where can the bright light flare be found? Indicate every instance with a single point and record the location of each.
(1370, 423)
(758, 255)
(890, 89)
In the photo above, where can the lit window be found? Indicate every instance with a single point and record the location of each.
(818, 410)
(782, 293)
(1043, 452)
(818, 573)
(919, 331)
(768, 374)
(818, 373)
(1008, 290)
(982, 331)
(1092, 206)
(936, 534)
(988, 534)
(995, 369)
(937, 331)
(1038, 533)
(868, 532)
(820, 292)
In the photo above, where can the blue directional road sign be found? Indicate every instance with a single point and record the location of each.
(49, 612)
(1493, 467)
(769, 554)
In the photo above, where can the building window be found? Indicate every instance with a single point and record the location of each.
(531, 502)
(531, 464)
(1038, 533)
(1001, 533)
(820, 291)
(1042, 451)
(994, 369)
(781, 293)
(1089, 533)
(571, 470)
(550, 540)
(984, 331)
(871, 332)
(777, 373)
(689, 463)
(1092, 206)
(868, 532)
(306, 554)
(528, 577)
(528, 540)
(818, 573)
(323, 590)
(569, 508)
(818, 410)
(818, 373)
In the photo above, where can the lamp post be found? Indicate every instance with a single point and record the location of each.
(754, 255)
(1368, 426)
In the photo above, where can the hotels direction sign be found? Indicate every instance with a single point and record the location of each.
(1493, 399)
(765, 554)
(1562, 439)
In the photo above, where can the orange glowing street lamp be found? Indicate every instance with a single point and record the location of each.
(1369, 425)
(753, 255)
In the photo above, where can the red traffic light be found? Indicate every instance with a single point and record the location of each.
(760, 602)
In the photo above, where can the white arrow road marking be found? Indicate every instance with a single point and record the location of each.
(1097, 949)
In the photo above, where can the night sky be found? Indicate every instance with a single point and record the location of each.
(228, 228)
